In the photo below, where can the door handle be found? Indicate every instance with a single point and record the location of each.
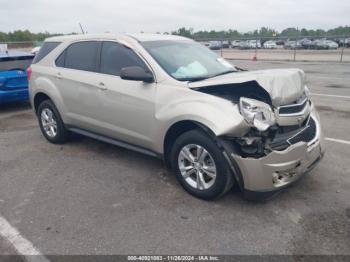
(102, 86)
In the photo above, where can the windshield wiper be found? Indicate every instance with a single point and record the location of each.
(194, 79)
(223, 73)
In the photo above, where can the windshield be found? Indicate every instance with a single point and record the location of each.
(187, 60)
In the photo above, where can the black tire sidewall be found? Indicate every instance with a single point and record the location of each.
(61, 135)
(223, 181)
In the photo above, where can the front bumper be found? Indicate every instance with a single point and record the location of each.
(281, 168)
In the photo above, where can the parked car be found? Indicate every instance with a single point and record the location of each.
(280, 42)
(291, 44)
(215, 45)
(235, 43)
(319, 44)
(244, 45)
(35, 50)
(305, 43)
(331, 44)
(250, 44)
(225, 44)
(254, 44)
(173, 98)
(344, 42)
(13, 76)
(270, 44)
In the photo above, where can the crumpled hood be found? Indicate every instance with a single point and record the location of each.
(283, 85)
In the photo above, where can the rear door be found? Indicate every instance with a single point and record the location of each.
(77, 81)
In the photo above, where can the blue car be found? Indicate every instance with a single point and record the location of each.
(13, 76)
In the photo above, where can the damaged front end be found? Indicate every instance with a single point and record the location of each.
(283, 142)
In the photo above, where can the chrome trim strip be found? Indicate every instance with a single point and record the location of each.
(303, 112)
(293, 105)
(317, 135)
(307, 126)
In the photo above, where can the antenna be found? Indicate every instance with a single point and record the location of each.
(81, 27)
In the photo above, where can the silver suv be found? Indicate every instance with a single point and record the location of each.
(212, 123)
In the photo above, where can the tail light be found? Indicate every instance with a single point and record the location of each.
(29, 73)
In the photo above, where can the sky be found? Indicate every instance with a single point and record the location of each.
(151, 16)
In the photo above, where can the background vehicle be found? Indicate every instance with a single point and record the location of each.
(244, 45)
(270, 44)
(35, 50)
(254, 44)
(331, 44)
(225, 44)
(13, 76)
(215, 45)
(235, 43)
(280, 42)
(343, 42)
(291, 44)
(250, 44)
(320, 44)
(305, 43)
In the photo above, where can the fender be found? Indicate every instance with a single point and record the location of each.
(220, 119)
(47, 87)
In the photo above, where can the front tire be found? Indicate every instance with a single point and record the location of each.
(51, 124)
(200, 166)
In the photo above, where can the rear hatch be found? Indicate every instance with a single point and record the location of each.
(13, 80)
(13, 65)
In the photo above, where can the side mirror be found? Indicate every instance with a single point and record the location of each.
(136, 73)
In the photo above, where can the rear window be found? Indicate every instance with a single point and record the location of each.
(15, 60)
(80, 56)
(45, 49)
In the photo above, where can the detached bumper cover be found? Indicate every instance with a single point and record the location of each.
(281, 168)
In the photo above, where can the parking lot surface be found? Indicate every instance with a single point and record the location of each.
(88, 197)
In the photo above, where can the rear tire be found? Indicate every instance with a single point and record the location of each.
(51, 124)
(200, 166)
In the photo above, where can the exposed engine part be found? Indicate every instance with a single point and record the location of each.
(233, 92)
(258, 144)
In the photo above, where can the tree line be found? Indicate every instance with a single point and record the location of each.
(26, 35)
(262, 32)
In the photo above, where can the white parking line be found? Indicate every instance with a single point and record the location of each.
(338, 140)
(22, 245)
(336, 96)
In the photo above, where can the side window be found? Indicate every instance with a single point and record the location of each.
(115, 56)
(81, 56)
(61, 59)
(44, 50)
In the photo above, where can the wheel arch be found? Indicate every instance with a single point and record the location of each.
(38, 99)
(177, 129)
(227, 148)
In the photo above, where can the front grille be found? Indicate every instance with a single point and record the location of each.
(295, 108)
(306, 135)
(286, 136)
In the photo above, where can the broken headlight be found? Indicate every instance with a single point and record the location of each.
(258, 114)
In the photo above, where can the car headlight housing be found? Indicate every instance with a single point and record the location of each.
(258, 114)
